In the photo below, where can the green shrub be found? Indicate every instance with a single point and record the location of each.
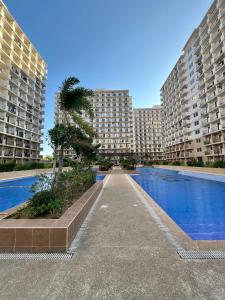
(128, 163)
(148, 163)
(105, 166)
(219, 164)
(42, 203)
(209, 164)
(46, 202)
(195, 163)
(73, 183)
(128, 167)
(7, 167)
(175, 163)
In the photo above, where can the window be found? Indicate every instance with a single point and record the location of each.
(195, 114)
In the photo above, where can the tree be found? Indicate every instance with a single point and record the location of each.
(79, 135)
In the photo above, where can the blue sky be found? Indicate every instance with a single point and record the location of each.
(121, 44)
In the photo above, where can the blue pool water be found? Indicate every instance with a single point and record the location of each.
(15, 192)
(100, 177)
(196, 205)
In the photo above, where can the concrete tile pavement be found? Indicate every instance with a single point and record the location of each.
(122, 255)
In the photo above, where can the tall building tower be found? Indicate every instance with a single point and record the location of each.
(22, 93)
(147, 133)
(112, 121)
(193, 96)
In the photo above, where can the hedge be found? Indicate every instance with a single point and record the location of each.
(26, 166)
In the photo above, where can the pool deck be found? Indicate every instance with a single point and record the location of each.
(26, 173)
(213, 171)
(122, 254)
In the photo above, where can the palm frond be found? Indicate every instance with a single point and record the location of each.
(75, 99)
(78, 120)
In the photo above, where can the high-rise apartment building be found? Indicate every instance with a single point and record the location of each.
(193, 96)
(22, 81)
(112, 121)
(147, 133)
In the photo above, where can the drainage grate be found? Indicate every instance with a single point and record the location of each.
(36, 256)
(201, 254)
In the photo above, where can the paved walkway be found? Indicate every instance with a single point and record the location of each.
(122, 255)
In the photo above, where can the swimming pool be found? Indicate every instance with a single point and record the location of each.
(196, 205)
(16, 191)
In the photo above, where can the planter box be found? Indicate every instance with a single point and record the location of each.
(47, 235)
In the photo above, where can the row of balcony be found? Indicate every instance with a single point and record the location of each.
(214, 152)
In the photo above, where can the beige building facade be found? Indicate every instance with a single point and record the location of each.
(112, 121)
(22, 93)
(193, 96)
(148, 145)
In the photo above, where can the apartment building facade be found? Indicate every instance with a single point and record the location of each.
(22, 93)
(148, 144)
(112, 121)
(193, 96)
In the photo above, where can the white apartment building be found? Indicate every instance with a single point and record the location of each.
(148, 134)
(193, 96)
(112, 121)
(22, 89)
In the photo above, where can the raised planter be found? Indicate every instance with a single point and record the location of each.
(47, 235)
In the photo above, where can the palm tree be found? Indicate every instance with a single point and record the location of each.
(73, 100)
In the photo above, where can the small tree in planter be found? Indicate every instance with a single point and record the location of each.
(73, 100)
(128, 163)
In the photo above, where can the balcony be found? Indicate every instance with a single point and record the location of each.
(205, 122)
(222, 113)
(207, 142)
(221, 77)
(18, 154)
(10, 131)
(19, 143)
(206, 131)
(215, 45)
(213, 107)
(11, 109)
(9, 142)
(221, 102)
(218, 55)
(209, 152)
(203, 103)
(202, 93)
(8, 153)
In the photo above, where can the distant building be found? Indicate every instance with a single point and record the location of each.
(112, 121)
(148, 144)
(22, 93)
(193, 96)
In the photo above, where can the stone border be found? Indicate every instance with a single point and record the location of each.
(47, 235)
(176, 231)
